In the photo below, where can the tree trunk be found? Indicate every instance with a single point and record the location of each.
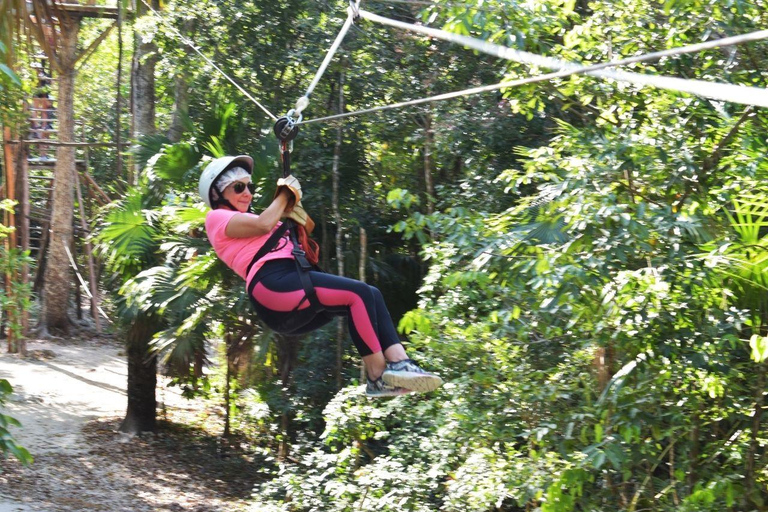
(287, 354)
(22, 227)
(57, 283)
(339, 231)
(603, 362)
(119, 93)
(361, 276)
(429, 144)
(142, 368)
(227, 398)
(143, 80)
(181, 93)
(142, 378)
(92, 278)
(180, 107)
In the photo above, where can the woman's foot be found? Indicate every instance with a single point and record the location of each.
(407, 374)
(379, 388)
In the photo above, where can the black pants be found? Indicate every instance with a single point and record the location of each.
(276, 291)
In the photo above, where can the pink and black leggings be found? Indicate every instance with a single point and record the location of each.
(278, 290)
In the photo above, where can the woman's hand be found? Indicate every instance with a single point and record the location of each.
(291, 184)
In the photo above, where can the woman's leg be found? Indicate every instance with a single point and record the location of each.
(370, 324)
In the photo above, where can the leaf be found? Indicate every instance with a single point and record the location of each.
(599, 459)
(759, 345)
(174, 162)
(10, 74)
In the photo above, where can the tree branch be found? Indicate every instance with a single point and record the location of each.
(711, 162)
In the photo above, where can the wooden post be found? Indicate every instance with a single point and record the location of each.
(22, 226)
(9, 218)
(119, 99)
(78, 291)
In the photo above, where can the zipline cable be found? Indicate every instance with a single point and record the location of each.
(302, 102)
(713, 90)
(444, 5)
(474, 90)
(209, 61)
(558, 74)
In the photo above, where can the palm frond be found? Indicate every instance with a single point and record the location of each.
(173, 164)
(151, 290)
(128, 232)
(221, 124)
(184, 219)
(148, 146)
(179, 348)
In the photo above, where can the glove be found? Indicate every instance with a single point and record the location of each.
(300, 216)
(292, 184)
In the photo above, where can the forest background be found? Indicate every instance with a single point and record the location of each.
(583, 261)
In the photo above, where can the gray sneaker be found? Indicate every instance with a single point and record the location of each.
(407, 374)
(377, 388)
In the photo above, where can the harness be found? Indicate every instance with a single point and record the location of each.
(286, 129)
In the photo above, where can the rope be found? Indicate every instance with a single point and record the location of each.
(717, 91)
(303, 102)
(558, 74)
(467, 92)
(209, 61)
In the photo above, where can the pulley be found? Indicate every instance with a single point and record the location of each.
(287, 128)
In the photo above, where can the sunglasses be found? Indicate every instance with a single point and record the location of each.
(239, 187)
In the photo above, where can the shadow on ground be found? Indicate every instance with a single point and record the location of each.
(189, 452)
(180, 468)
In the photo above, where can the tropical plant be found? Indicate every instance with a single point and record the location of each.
(7, 443)
(162, 268)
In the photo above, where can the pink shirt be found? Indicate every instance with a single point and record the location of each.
(237, 253)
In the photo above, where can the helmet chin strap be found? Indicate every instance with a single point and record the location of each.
(224, 202)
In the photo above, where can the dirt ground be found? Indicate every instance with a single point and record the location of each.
(70, 396)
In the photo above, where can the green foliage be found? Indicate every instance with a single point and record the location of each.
(16, 297)
(14, 300)
(7, 445)
(591, 283)
(7, 75)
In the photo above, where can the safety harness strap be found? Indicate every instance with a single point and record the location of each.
(303, 265)
(268, 246)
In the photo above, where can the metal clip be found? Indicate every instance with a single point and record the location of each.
(354, 8)
(286, 145)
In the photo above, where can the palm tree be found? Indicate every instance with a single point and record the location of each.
(170, 286)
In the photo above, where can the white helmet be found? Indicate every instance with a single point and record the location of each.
(215, 169)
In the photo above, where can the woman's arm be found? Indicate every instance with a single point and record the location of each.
(246, 226)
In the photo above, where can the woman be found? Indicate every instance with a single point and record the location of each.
(255, 247)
